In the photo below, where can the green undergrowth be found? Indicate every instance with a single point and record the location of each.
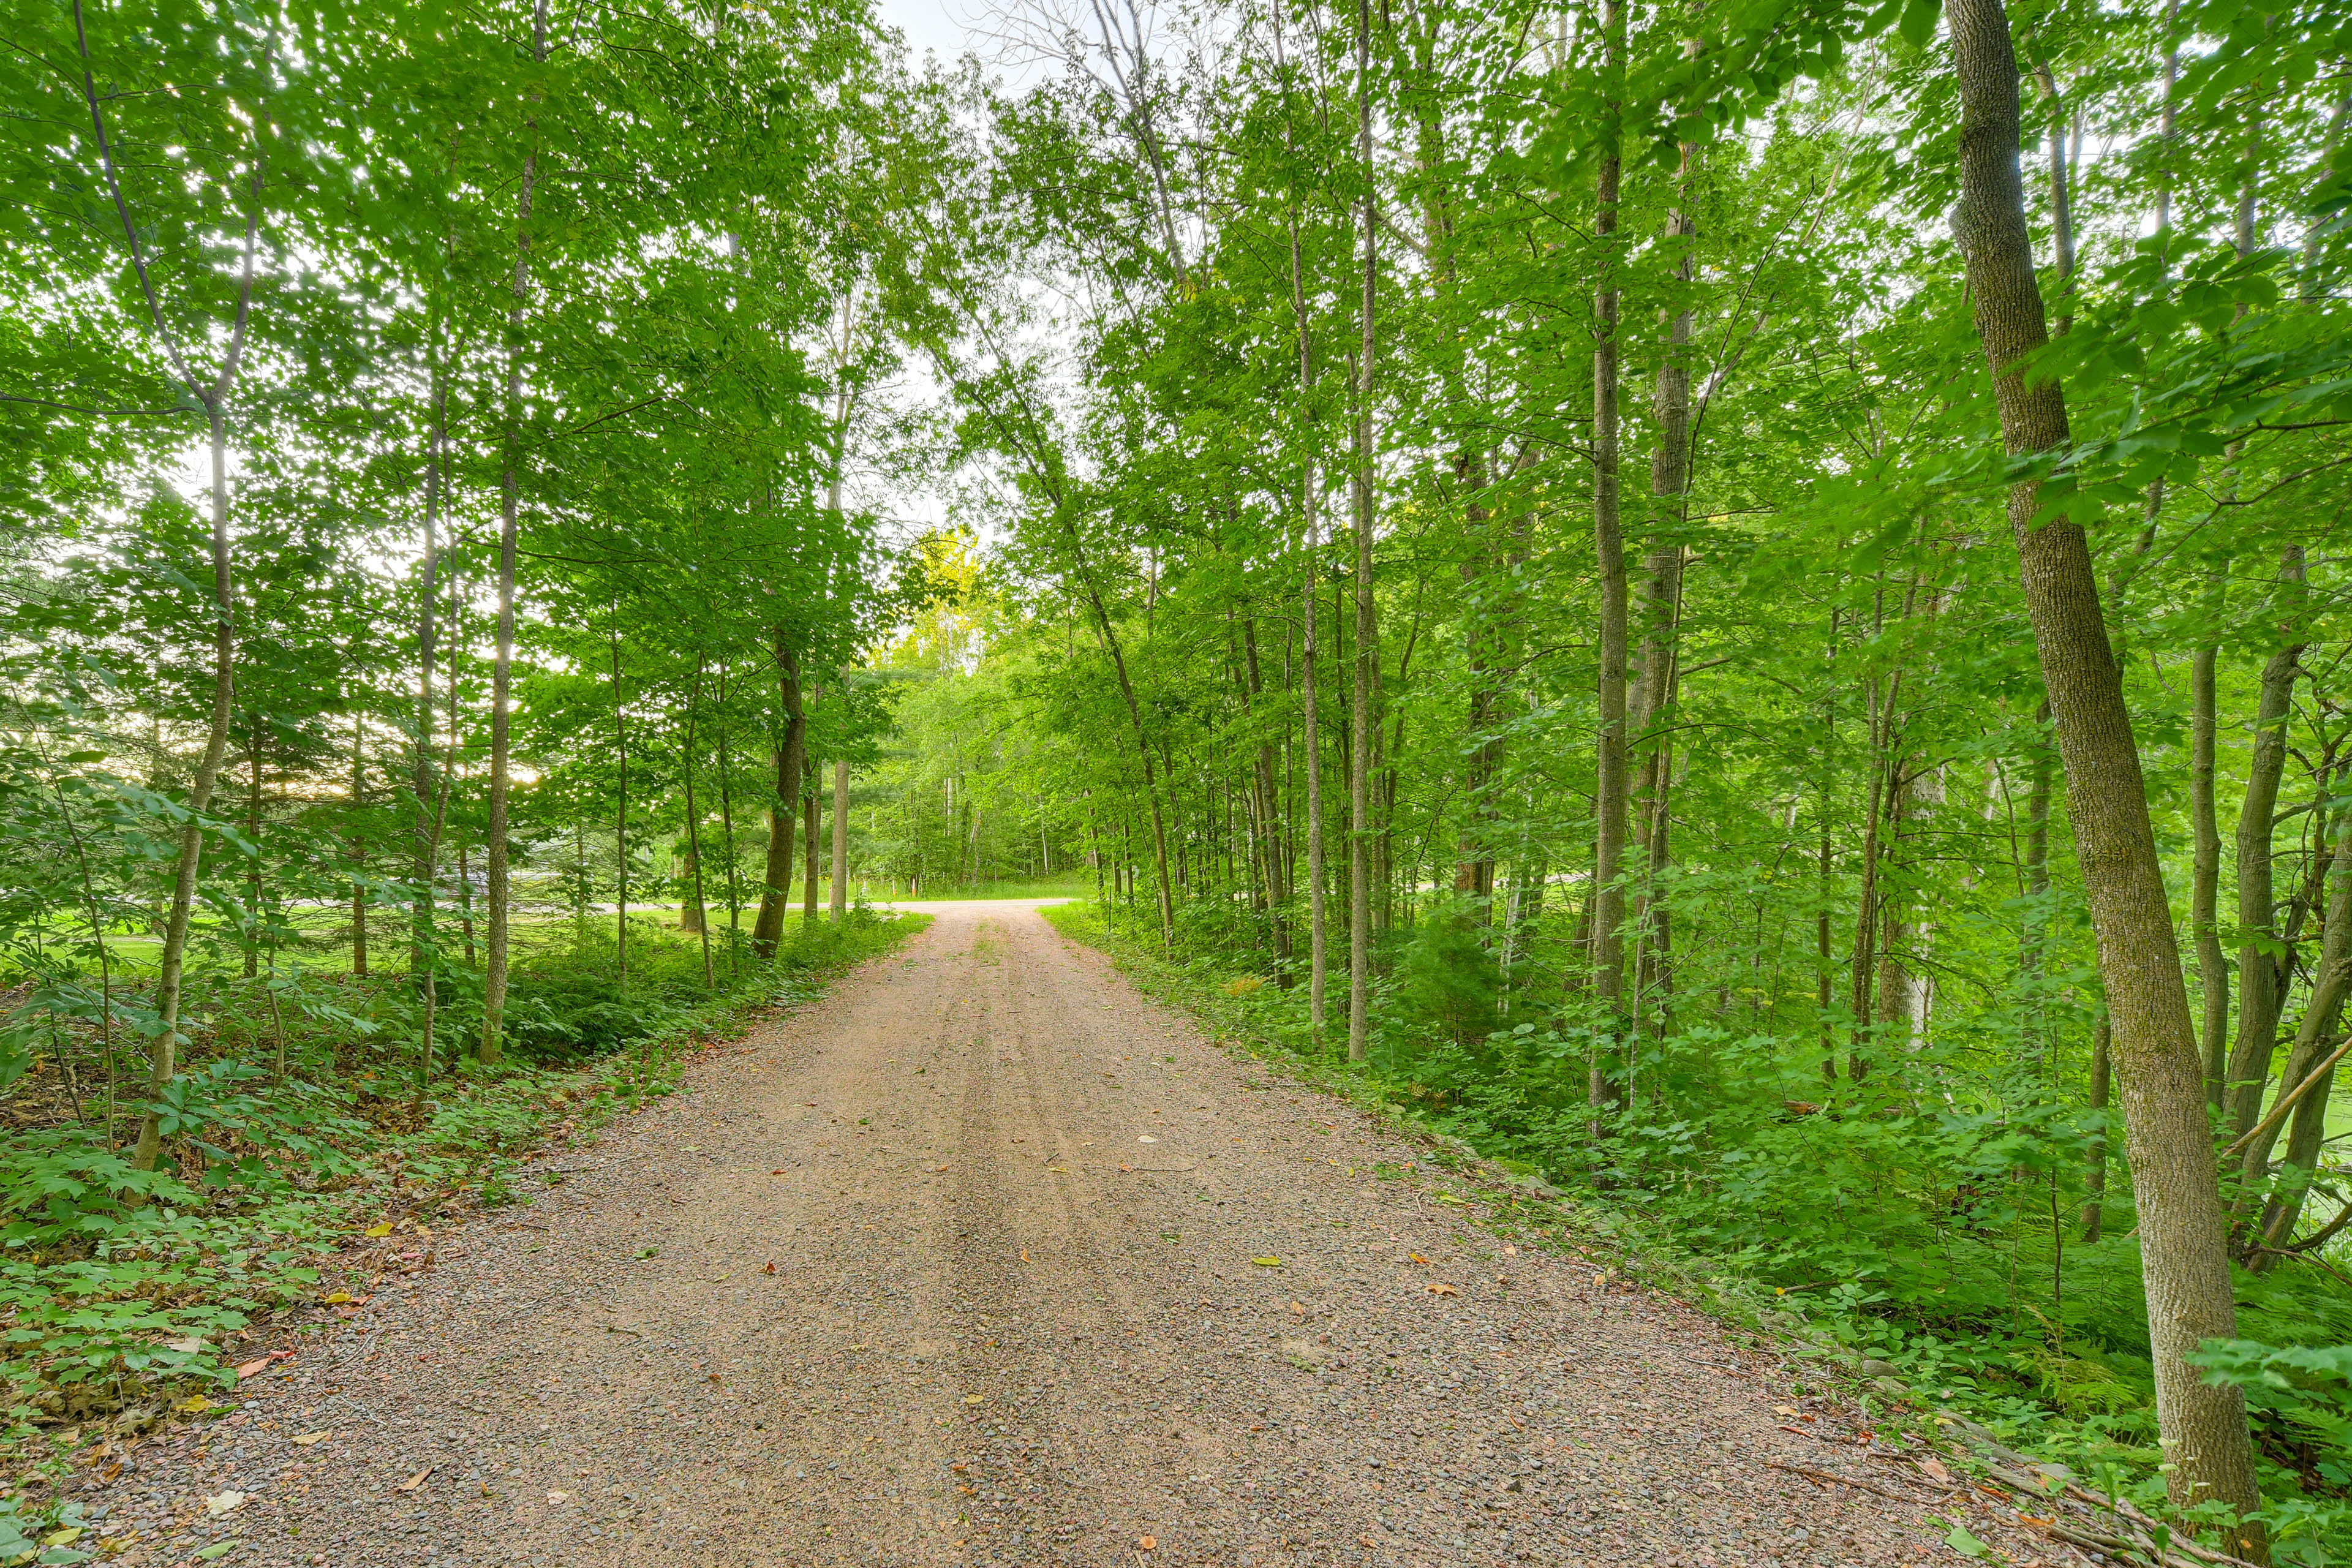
(128, 1297)
(1923, 1252)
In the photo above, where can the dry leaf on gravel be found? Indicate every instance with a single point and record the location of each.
(1267, 1262)
(381, 1227)
(305, 1439)
(253, 1368)
(559, 1496)
(1147, 1542)
(415, 1481)
(1437, 1288)
(220, 1503)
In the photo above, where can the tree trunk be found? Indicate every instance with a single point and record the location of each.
(1359, 770)
(727, 826)
(621, 817)
(2184, 1259)
(840, 899)
(1609, 803)
(2095, 1173)
(701, 926)
(812, 834)
(2262, 977)
(163, 1056)
(494, 980)
(426, 833)
(776, 893)
(1271, 851)
(359, 849)
(2205, 872)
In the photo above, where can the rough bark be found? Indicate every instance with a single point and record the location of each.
(2185, 1264)
(776, 888)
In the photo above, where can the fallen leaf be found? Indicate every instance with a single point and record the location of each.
(188, 1346)
(1935, 1471)
(559, 1496)
(415, 1481)
(1024, 1255)
(775, 1173)
(252, 1368)
(194, 1404)
(336, 1297)
(1298, 1308)
(770, 1268)
(66, 1537)
(1147, 1140)
(1437, 1288)
(974, 1398)
(1416, 1257)
(218, 1549)
(381, 1229)
(1147, 1542)
(1366, 1540)
(1267, 1262)
(943, 1167)
(306, 1438)
(220, 1503)
(1509, 1251)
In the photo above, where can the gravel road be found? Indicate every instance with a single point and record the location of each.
(987, 1259)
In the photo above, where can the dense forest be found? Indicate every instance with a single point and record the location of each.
(1731, 603)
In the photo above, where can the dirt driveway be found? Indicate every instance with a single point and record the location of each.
(987, 1259)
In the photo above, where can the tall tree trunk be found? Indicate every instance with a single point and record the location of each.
(727, 826)
(213, 397)
(776, 893)
(810, 834)
(163, 1056)
(701, 926)
(2261, 976)
(2095, 1173)
(1609, 803)
(840, 899)
(1271, 848)
(2205, 871)
(1670, 468)
(359, 848)
(250, 938)
(2184, 1259)
(1359, 774)
(1319, 932)
(620, 815)
(494, 980)
(426, 832)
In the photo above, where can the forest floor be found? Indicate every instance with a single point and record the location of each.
(987, 1259)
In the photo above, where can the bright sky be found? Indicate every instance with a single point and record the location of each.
(943, 26)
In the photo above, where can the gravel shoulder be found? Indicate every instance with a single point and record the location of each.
(985, 1258)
